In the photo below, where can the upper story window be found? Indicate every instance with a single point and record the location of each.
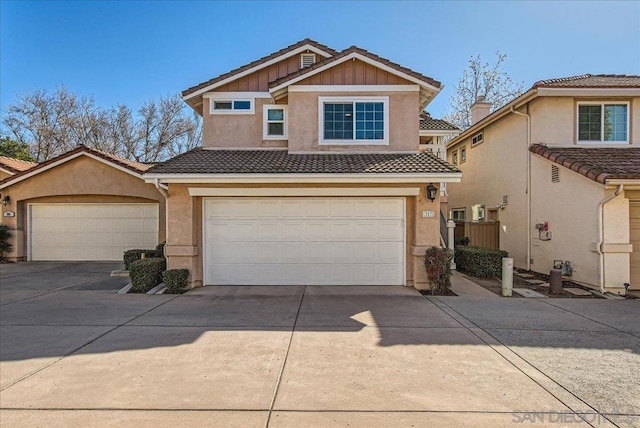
(463, 155)
(477, 139)
(354, 120)
(274, 122)
(454, 158)
(603, 122)
(241, 106)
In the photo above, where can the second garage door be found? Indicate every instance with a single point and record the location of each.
(634, 222)
(91, 231)
(304, 241)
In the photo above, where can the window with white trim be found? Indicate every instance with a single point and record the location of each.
(603, 122)
(477, 139)
(274, 122)
(226, 106)
(458, 214)
(477, 213)
(354, 120)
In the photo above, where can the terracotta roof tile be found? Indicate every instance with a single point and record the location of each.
(15, 165)
(363, 52)
(136, 167)
(428, 123)
(258, 62)
(591, 81)
(597, 164)
(203, 161)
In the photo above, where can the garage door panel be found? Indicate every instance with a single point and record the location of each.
(304, 241)
(90, 231)
(634, 226)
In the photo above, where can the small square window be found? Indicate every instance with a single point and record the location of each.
(231, 107)
(242, 105)
(477, 139)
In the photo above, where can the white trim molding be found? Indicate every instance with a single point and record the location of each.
(265, 122)
(351, 56)
(236, 95)
(304, 192)
(354, 141)
(451, 177)
(354, 88)
(589, 92)
(67, 159)
(260, 66)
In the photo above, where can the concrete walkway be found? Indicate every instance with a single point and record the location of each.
(464, 287)
(312, 356)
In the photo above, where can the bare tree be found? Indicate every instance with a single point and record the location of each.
(481, 78)
(52, 123)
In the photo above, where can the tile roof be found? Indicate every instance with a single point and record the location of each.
(15, 165)
(428, 123)
(258, 62)
(203, 161)
(133, 166)
(591, 81)
(597, 164)
(360, 51)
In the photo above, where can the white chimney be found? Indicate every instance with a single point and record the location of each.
(480, 109)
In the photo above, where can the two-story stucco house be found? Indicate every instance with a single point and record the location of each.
(311, 172)
(559, 168)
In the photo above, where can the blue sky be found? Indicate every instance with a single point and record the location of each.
(129, 52)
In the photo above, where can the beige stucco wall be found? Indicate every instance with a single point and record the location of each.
(236, 130)
(184, 229)
(304, 127)
(4, 174)
(571, 208)
(494, 168)
(80, 180)
(554, 119)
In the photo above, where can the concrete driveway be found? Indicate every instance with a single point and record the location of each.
(74, 353)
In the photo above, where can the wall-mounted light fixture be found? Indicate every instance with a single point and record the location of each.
(431, 192)
(6, 200)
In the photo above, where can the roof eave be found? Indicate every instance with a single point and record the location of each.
(376, 178)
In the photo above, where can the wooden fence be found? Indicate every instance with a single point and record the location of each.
(481, 234)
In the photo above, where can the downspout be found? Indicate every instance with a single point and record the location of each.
(528, 186)
(601, 232)
(164, 193)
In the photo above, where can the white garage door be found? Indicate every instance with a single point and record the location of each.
(634, 221)
(304, 241)
(91, 231)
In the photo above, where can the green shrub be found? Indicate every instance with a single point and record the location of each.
(462, 241)
(437, 262)
(5, 246)
(160, 247)
(131, 256)
(146, 274)
(175, 280)
(480, 262)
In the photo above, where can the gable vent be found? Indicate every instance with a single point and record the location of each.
(555, 174)
(307, 59)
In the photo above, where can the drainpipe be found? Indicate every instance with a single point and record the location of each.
(164, 193)
(528, 186)
(601, 233)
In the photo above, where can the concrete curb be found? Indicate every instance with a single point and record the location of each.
(157, 289)
(125, 289)
(119, 273)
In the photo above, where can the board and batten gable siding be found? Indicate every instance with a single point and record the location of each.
(354, 73)
(259, 80)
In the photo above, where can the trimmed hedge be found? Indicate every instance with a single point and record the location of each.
(480, 262)
(131, 256)
(146, 274)
(175, 280)
(160, 247)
